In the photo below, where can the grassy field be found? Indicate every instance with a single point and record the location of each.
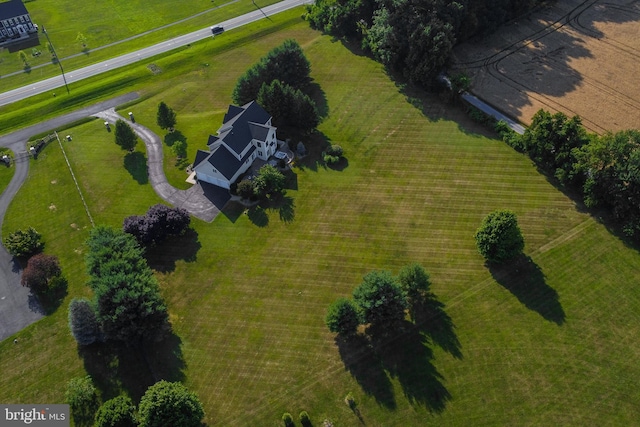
(111, 29)
(552, 343)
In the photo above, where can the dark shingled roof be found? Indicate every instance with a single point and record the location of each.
(11, 9)
(226, 163)
(238, 128)
(200, 156)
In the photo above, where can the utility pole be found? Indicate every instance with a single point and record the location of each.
(57, 59)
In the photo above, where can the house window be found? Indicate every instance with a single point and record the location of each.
(260, 153)
(259, 144)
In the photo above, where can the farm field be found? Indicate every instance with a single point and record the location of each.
(577, 57)
(553, 343)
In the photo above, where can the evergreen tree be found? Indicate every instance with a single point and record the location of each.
(127, 298)
(83, 323)
(166, 117)
(126, 138)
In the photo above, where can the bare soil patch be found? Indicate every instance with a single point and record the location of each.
(577, 57)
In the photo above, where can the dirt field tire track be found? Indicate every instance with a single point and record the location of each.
(577, 57)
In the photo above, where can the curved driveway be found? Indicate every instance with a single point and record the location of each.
(201, 203)
(17, 307)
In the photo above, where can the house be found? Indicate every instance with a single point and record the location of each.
(246, 134)
(15, 22)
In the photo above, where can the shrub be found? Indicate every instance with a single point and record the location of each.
(287, 419)
(24, 243)
(39, 274)
(245, 189)
(332, 154)
(304, 419)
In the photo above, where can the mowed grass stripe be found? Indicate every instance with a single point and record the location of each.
(249, 309)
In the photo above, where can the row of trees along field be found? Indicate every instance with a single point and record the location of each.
(604, 169)
(413, 37)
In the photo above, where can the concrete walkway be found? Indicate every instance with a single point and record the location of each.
(204, 203)
(18, 308)
(487, 109)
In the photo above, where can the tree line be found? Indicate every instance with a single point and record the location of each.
(604, 169)
(412, 37)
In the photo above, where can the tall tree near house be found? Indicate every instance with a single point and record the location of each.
(126, 138)
(286, 63)
(166, 117)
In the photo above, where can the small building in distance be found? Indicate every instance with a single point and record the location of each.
(246, 134)
(15, 22)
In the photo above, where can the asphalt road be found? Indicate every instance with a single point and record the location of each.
(53, 84)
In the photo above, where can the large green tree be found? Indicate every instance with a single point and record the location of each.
(343, 317)
(83, 400)
(270, 181)
(170, 404)
(288, 106)
(552, 141)
(380, 299)
(499, 238)
(127, 297)
(126, 138)
(116, 412)
(286, 63)
(611, 165)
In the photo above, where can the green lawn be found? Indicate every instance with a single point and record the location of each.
(247, 301)
(122, 23)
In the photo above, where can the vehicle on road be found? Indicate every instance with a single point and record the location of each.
(217, 29)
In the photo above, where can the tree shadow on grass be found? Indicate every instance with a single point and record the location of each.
(285, 207)
(51, 300)
(174, 136)
(136, 164)
(163, 257)
(315, 144)
(431, 318)
(361, 361)
(258, 216)
(524, 279)
(318, 96)
(408, 358)
(115, 366)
